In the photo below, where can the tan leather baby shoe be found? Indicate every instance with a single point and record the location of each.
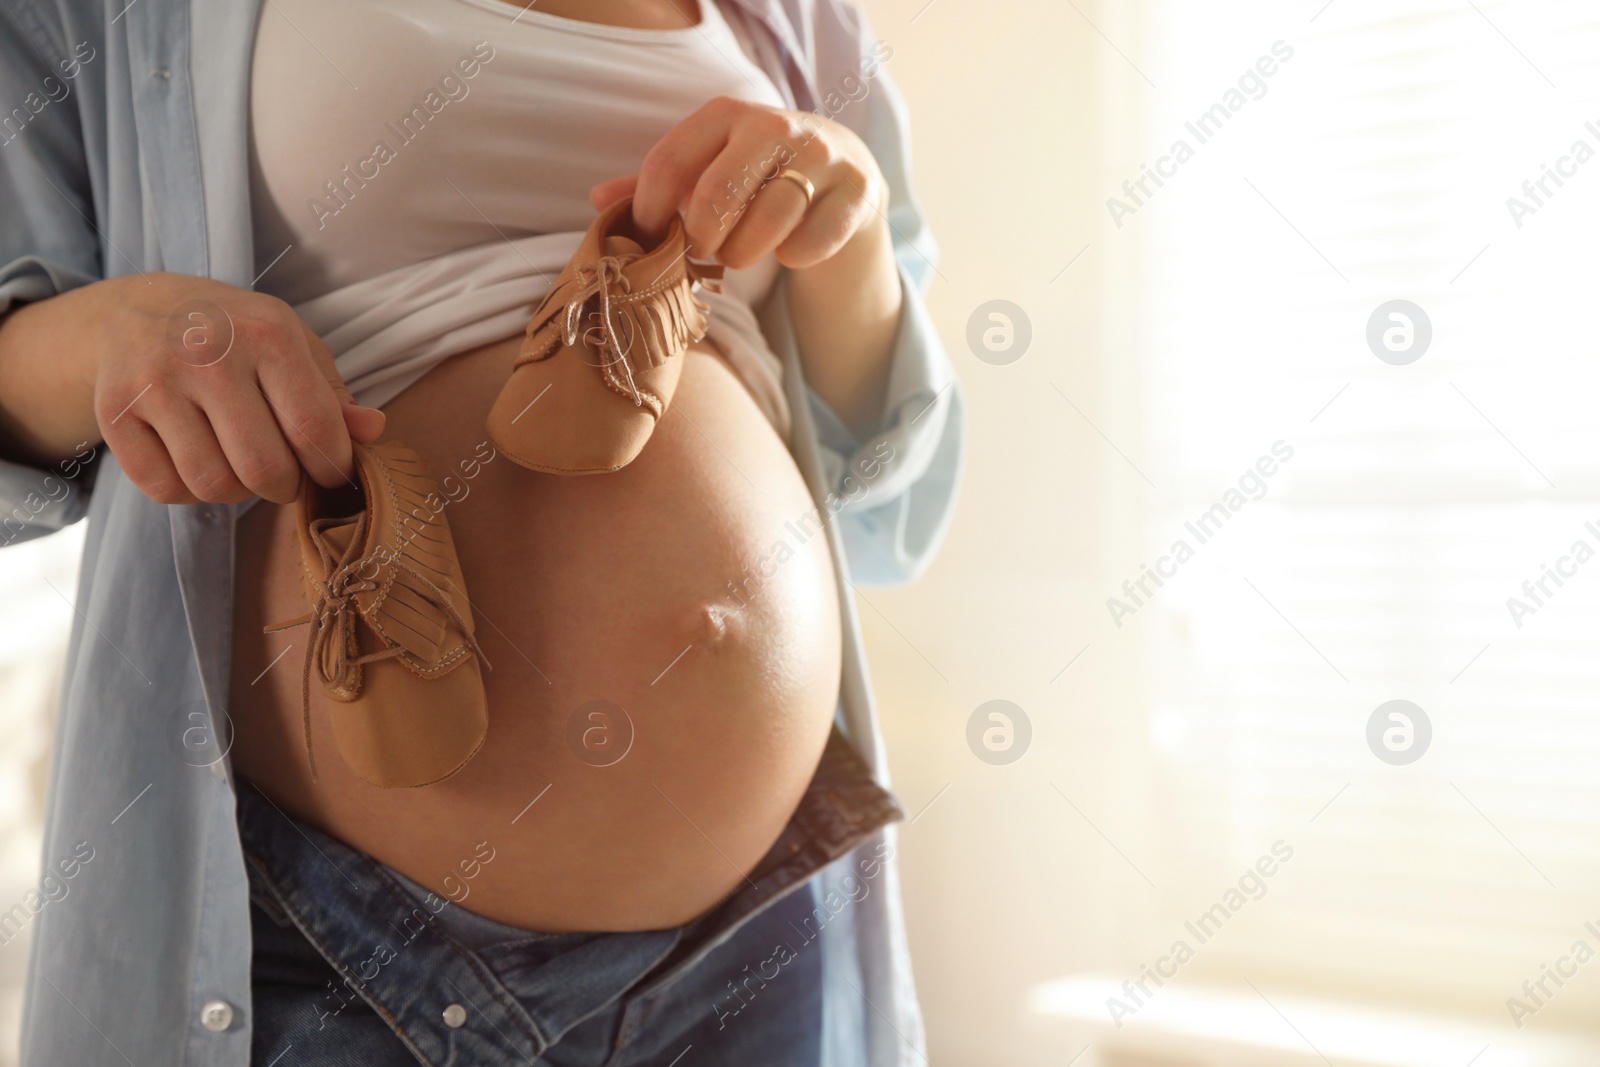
(601, 357)
(391, 634)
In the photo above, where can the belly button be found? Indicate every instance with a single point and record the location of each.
(713, 620)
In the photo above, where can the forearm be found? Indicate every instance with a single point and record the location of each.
(845, 312)
(47, 378)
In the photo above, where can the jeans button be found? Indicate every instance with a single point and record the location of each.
(455, 1016)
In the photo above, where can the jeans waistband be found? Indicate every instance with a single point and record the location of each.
(412, 955)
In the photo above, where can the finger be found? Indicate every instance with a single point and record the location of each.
(673, 166)
(359, 419)
(831, 221)
(201, 463)
(361, 422)
(254, 445)
(364, 424)
(609, 192)
(740, 190)
(778, 209)
(144, 459)
(307, 395)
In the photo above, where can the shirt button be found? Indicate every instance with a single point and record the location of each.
(216, 1016)
(455, 1016)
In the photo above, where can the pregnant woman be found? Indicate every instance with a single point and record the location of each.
(252, 247)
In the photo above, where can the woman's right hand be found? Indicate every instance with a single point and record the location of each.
(202, 390)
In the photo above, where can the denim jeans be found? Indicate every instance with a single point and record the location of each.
(356, 964)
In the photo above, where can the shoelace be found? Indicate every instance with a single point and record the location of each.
(331, 642)
(597, 281)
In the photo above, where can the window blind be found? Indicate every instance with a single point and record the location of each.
(1403, 151)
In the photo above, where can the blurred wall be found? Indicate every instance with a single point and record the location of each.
(38, 581)
(1002, 876)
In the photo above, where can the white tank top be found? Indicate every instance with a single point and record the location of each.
(420, 169)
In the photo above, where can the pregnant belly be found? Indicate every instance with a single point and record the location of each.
(687, 590)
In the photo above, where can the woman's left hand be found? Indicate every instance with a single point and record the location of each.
(720, 168)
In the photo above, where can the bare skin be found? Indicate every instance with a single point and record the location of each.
(583, 588)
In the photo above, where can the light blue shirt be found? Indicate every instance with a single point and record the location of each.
(128, 152)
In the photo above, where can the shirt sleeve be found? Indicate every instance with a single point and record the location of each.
(47, 242)
(895, 486)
